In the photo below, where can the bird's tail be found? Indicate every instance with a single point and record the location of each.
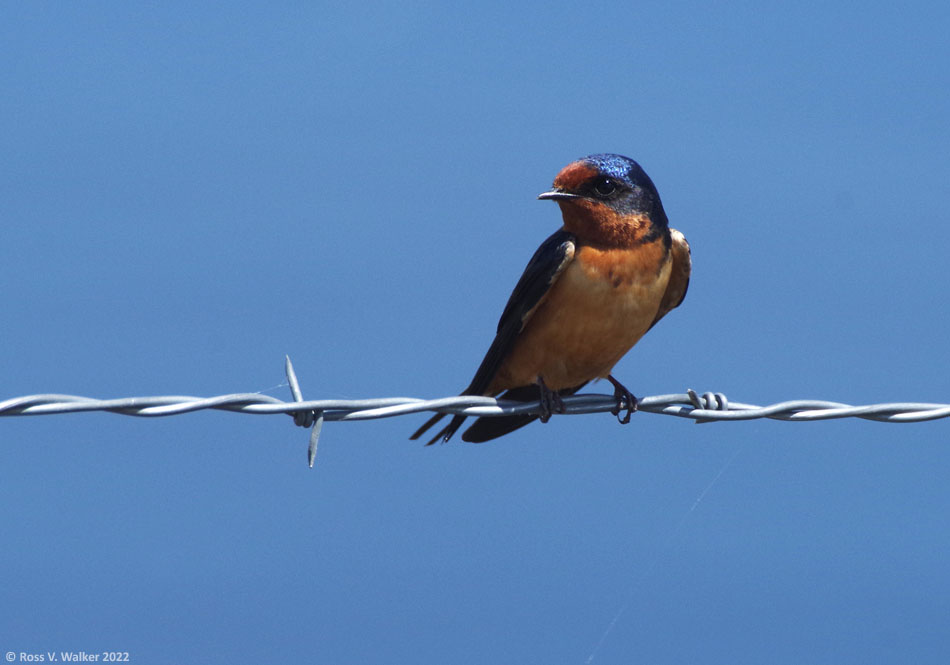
(445, 433)
(486, 429)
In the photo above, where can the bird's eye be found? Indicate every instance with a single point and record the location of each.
(604, 186)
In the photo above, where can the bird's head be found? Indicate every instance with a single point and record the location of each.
(608, 198)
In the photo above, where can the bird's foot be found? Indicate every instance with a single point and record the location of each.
(626, 401)
(551, 401)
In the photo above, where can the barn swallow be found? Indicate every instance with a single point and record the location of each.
(589, 293)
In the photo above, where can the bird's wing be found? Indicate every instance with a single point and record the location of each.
(547, 264)
(679, 276)
(552, 257)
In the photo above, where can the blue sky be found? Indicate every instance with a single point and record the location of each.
(189, 193)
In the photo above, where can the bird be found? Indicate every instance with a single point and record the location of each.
(589, 293)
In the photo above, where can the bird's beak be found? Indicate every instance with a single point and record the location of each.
(558, 195)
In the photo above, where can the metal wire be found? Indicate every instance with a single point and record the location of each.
(704, 408)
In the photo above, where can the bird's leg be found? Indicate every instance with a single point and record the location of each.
(550, 401)
(626, 401)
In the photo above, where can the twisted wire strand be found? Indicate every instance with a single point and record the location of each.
(709, 407)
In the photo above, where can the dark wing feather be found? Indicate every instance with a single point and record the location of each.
(548, 262)
(552, 257)
(679, 276)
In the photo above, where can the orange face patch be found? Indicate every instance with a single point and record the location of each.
(598, 224)
(574, 175)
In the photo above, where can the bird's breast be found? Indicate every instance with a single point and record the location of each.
(604, 302)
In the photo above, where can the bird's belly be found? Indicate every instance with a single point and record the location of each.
(597, 310)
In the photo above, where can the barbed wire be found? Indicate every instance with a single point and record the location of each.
(705, 408)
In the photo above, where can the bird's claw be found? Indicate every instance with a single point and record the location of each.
(551, 402)
(626, 401)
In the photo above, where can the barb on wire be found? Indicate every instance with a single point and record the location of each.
(705, 408)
